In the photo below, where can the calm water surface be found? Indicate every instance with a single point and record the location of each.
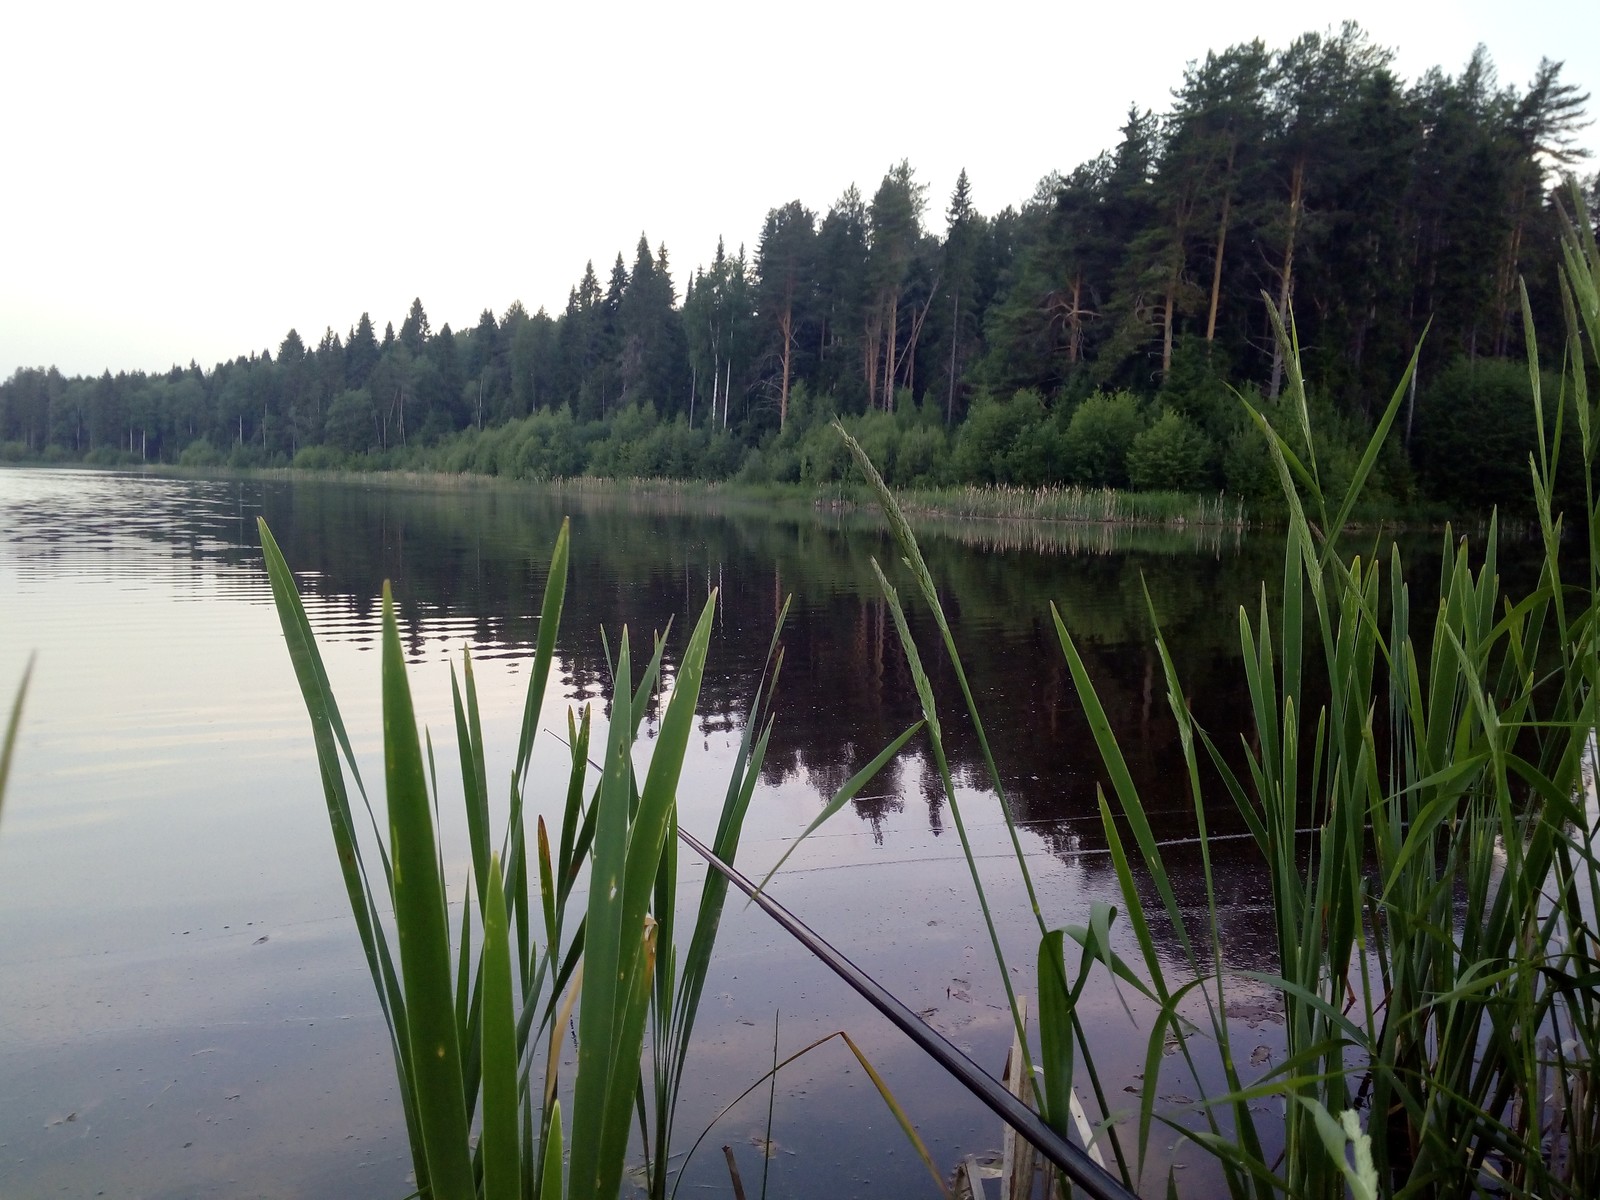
(184, 1009)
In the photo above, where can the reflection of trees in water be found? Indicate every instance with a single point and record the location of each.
(479, 556)
(472, 562)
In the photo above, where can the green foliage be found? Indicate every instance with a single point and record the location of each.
(1006, 441)
(1196, 387)
(1474, 433)
(351, 424)
(1171, 455)
(318, 458)
(822, 458)
(1247, 469)
(1099, 436)
(920, 457)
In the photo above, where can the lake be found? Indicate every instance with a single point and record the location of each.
(184, 1008)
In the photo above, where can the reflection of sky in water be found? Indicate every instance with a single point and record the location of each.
(183, 1005)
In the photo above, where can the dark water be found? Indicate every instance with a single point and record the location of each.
(183, 1005)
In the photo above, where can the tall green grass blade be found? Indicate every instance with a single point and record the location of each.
(1056, 1029)
(648, 846)
(600, 1005)
(419, 901)
(621, 945)
(555, 593)
(474, 782)
(678, 1004)
(500, 1141)
(930, 716)
(1369, 457)
(550, 1181)
(1127, 795)
(465, 1000)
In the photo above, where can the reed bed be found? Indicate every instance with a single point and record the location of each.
(1054, 502)
(998, 535)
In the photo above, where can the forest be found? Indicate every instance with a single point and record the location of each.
(1102, 332)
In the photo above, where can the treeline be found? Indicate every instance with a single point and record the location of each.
(1095, 334)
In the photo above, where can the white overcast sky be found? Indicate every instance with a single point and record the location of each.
(190, 181)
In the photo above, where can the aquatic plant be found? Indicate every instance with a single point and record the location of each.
(466, 1022)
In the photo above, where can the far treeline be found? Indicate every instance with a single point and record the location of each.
(1099, 334)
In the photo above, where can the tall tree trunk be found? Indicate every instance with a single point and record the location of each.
(872, 335)
(1296, 201)
(892, 316)
(955, 340)
(1182, 214)
(1166, 321)
(1075, 321)
(908, 356)
(786, 327)
(1505, 285)
(1216, 263)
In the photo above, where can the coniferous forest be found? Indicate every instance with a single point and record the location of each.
(1100, 333)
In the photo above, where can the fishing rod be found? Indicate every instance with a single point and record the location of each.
(1074, 1162)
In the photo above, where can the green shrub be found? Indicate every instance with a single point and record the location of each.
(823, 457)
(318, 458)
(1098, 438)
(1171, 455)
(921, 456)
(1473, 431)
(1005, 441)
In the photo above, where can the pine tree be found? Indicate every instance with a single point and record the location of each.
(361, 353)
(784, 271)
(894, 238)
(963, 234)
(414, 331)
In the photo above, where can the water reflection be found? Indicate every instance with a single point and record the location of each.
(165, 814)
(471, 559)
